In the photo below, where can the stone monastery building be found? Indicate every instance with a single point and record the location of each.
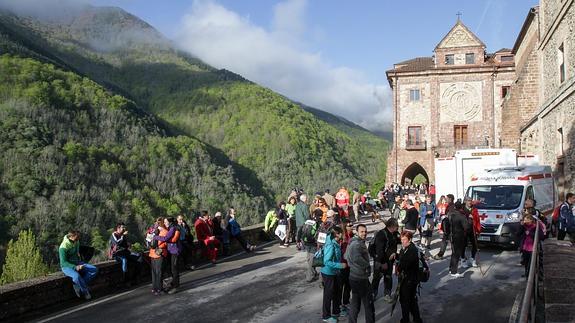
(446, 102)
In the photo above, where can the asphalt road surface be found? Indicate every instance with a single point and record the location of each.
(269, 286)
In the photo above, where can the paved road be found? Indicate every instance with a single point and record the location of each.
(267, 286)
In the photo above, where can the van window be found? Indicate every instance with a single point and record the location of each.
(496, 197)
(529, 193)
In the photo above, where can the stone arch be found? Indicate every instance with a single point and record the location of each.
(413, 170)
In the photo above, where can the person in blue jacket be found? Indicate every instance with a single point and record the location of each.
(427, 214)
(332, 263)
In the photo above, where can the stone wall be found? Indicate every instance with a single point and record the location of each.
(36, 297)
(522, 102)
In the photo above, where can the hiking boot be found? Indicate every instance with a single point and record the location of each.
(77, 290)
(330, 320)
(457, 275)
(87, 296)
(473, 263)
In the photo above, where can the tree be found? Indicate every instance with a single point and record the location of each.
(23, 259)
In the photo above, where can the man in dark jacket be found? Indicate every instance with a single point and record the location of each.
(407, 271)
(458, 226)
(386, 241)
(120, 251)
(301, 215)
(411, 217)
(357, 258)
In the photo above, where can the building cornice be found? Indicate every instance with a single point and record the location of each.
(528, 20)
(450, 71)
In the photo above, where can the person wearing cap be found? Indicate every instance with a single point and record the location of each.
(329, 199)
(474, 226)
(355, 202)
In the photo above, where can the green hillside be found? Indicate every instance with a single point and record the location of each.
(257, 128)
(76, 156)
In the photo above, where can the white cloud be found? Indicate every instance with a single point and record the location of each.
(275, 58)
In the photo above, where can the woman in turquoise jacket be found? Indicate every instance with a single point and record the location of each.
(329, 272)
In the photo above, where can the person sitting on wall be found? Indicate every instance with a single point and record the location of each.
(80, 272)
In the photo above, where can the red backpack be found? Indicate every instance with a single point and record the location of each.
(556, 213)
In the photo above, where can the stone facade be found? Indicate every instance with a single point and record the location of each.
(551, 133)
(522, 101)
(457, 88)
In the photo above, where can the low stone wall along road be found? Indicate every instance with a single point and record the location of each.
(269, 286)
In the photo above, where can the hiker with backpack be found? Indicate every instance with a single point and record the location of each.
(172, 239)
(408, 273)
(427, 213)
(301, 216)
(383, 249)
(566, 219)
(332, 264)
(357, 258)
(308, 236)
(119, 250)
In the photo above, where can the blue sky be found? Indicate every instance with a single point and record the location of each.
(329, 54)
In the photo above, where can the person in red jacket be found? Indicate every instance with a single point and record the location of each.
(474, 231)
(342, 201)
(205, 234)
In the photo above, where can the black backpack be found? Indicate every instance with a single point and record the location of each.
(309, 231)
(423, 272)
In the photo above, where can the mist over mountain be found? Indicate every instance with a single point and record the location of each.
(104, 119)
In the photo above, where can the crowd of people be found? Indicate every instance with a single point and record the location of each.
(171, 248)
(325, 230)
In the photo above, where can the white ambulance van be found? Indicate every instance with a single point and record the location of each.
(453, 174)
(500, 194)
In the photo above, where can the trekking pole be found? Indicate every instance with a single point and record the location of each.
(477, 256)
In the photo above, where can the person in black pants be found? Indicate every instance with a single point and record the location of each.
(386, 241)
(458, 230)
(446, 237)
(407, 271)
(357, 258)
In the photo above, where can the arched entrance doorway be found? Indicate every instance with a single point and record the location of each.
(412, 172)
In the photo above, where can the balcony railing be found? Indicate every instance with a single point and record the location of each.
(416, 145)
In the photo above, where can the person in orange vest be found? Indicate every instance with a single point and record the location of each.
(158, 251)
(174, 246)
(342, 200)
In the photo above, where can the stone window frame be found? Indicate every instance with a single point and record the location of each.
(505, 90)
(561, 61)
(414, 143)
(449, 59)
(411, 97)
(469, 61)
(466, 141)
